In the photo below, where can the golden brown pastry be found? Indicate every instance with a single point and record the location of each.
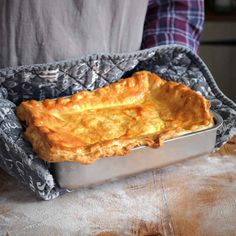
(140, 110)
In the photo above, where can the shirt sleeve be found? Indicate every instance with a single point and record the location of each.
(173, 22)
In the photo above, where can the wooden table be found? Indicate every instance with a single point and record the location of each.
(195, 197)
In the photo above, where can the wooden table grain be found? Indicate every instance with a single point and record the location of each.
(194, 197)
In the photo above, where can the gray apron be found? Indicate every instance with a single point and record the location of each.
(40, 31)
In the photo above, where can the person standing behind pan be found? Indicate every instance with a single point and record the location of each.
(40, 31)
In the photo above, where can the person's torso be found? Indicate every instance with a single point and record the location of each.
(40, 31)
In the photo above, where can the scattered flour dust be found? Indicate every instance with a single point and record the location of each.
(114, 207)
(208, 186)
(109, 207)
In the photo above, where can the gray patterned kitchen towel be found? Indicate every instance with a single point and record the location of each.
(64, 78)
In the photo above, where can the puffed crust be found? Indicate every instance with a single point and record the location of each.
(141, 110)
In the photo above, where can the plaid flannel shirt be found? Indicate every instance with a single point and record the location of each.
(173, 22)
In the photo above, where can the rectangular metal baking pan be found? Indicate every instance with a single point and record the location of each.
(73, 175)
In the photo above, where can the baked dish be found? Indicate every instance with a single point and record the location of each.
(141, 110)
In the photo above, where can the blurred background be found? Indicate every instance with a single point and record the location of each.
(218, 44)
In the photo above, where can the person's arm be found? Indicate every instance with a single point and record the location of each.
(173, 22)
